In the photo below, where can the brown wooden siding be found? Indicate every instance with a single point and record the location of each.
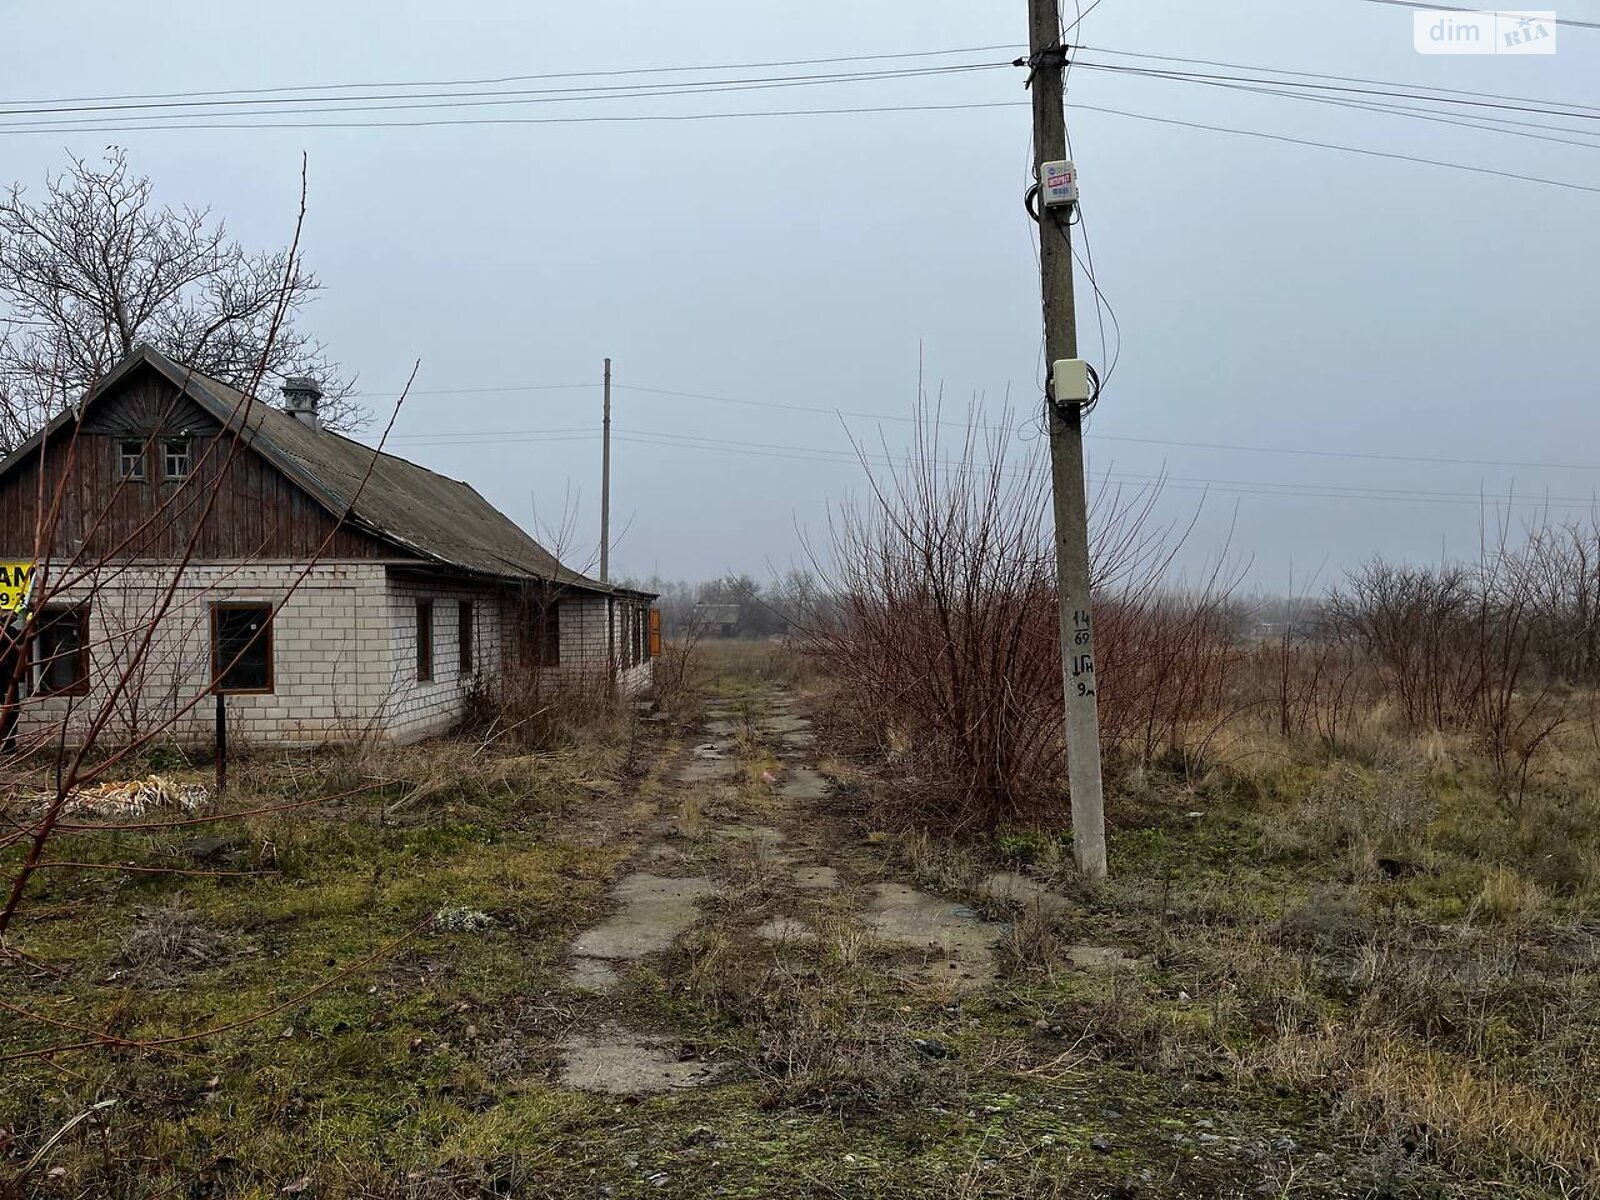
(239, 509)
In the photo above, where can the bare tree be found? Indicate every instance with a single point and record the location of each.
(95, 267)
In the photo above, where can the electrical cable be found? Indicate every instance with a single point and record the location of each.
(1389, 83)
(459, 100)
(485, 82)
(518, 121)
(1235, 486)
(1569, 21)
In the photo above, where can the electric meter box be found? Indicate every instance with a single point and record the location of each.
(1069, 381)
(1058, 184)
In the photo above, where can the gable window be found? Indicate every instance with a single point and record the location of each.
(61, 652)
(241, 647)
(178, 458)
(424, 641)
(464, 636)
(130, 459)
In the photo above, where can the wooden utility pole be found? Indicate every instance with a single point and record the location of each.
(1046, 61)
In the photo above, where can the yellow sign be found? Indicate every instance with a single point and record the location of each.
(14, 578)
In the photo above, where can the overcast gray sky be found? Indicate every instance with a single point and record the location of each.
(1269, 294)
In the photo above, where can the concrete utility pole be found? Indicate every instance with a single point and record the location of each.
(605, 527)
(605, 483)
(1047, 59)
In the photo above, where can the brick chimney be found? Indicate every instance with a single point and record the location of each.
(301, 397)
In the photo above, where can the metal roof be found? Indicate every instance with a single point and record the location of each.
(440, 520)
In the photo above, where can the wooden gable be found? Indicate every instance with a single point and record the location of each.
(233, 506)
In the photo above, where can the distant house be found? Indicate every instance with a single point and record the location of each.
(717, 620)
(325, 590)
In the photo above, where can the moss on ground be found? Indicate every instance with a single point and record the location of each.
(1354, 981)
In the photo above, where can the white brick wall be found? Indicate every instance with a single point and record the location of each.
(414, 708)
(344, 653)
(584, 646)
(325, 678)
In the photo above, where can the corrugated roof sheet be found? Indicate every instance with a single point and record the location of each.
(442, 520)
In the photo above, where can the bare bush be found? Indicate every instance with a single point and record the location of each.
(942, 629)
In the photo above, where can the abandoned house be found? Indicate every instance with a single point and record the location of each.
(186, 541)
(717, 620)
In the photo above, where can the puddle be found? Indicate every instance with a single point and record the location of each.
(624, 1064)
(804, 784)
(816, 879)
(1008, 885)
(655, 910)
(962, 942)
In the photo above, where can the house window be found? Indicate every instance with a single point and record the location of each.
(542, 647)
(130, 459)
(424, 641)
(241, 647)
(178, 459)
(61, 651)
(464, 635)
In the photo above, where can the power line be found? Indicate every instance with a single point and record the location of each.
(803, 112)
(454, 100)
(1361, 79)
(1370, 153)
(487, 82)
(1537, 108)
(1470, 121)
(1243, 487)
(821, 410)
(1474, 12)
(461, 121)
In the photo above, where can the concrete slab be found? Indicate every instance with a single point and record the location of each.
(1008, 885)
(783, 723)
(722, 727)
(592, 975)
(960, 943)
(702, 770)
(655, 910)
(799, 740)
(764, 834)
(803, 783)
(618, 1063)
(816, 879)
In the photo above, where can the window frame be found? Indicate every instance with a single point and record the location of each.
(187, 454)
(38, 666)
(541, 635)
(268, 636)
(466, 621)
(139, 459)
(424, 641)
